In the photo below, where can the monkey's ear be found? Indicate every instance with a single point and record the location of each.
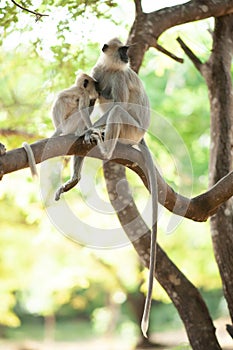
(105, 47)
(85, 83)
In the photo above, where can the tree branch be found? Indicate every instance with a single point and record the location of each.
(167, 53)
(188, 12)
(37, 14)
(196, 61)
(145, 29)
(198, 208)
(138, 6)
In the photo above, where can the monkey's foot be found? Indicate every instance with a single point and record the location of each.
(94, 135)
(58, 193)
(66, 187)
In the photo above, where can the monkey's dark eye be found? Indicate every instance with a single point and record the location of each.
(105, 47)
(85, 83)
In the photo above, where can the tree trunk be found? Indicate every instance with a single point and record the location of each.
(221, 101)
(184, 295)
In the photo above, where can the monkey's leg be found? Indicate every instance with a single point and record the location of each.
(120, 125)
(92, 135)
(75, 178)
(110, 140)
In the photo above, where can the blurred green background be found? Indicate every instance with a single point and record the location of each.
(51, 287)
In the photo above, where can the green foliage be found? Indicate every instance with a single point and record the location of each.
(66, 23)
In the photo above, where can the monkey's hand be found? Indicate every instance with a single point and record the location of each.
(94, 135)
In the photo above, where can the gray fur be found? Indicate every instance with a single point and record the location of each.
(127, 119)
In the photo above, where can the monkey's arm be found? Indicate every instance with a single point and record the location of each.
(84, 103)
(118, 94)
(59, 112)
(120, 90)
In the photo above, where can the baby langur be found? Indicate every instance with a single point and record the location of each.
(71, 114)
(126, 121)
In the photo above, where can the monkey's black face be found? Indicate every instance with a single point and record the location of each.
(123, 53)
(92, 102)
(85, 83)
(97, 87)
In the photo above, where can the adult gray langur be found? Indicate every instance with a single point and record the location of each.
(126, 119)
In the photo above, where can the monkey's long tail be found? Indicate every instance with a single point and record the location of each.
(151, 174)
(31, 159)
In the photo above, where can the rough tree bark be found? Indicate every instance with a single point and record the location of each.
(221, 157)
(199, 208)
(217, 73)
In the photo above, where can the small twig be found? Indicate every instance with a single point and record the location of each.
(37, 14)
(196, 61)
(168, 53)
